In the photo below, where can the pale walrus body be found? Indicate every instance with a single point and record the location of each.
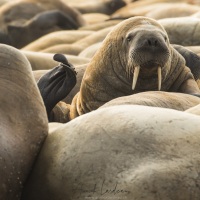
(40, 61)
(137, 45)
(173, 10)
(172, 100)
(23, 122)
(182, 30)
(57, 37)
(134, 152)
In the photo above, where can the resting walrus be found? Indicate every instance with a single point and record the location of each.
(140, 152)
(23, 121)
(136, 56)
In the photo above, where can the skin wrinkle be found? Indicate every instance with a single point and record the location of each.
(104, 77)
(85, 104)
(112, 67)
(121, 60)
(117, 75)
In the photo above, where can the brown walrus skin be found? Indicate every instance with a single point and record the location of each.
(136, 44)
(171, 100)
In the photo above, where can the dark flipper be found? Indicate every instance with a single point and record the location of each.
(57, 83)
(192, 60)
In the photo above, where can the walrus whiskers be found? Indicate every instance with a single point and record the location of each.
(159, 78)
(129, 68)
(135, 76)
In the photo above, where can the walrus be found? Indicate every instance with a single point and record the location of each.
(56, 84)
(90, 51)
(95, 37)
(173, 10)
(23, 121)
(176, 101)
(102, 6)
(136, 56)
(34, 18)
(100, 25)
(55, 38)
(69, 49)
(178, 31)
(93, 18)
(4, 1)
(139, 8)
(78, 45)
(190, 54)
(172, 100)
(41, 24)
(124, 152)
(41, 61)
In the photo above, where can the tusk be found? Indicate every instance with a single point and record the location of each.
(135, 76)
(159, 78)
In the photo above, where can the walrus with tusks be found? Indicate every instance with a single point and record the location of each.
(136, 56)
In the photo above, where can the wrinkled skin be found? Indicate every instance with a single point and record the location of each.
(56, 84)
(138, 44)
(23, 121)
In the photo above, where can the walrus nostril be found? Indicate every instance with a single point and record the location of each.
(152, 42)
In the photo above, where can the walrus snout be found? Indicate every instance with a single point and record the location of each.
(152, 44)
(148, 49)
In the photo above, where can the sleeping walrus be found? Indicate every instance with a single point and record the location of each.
(136, 56)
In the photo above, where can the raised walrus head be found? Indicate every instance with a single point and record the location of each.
(136, 56)
(148, 51)
(144, 50)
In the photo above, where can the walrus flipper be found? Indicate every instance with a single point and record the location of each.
(192, 60)
(56, 84)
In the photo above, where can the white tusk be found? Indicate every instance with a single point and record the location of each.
(159, 78)
(135, 76)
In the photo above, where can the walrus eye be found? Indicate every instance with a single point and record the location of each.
(165, 38)
(129, 38)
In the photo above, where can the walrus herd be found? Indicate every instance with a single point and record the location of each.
(100, 99)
